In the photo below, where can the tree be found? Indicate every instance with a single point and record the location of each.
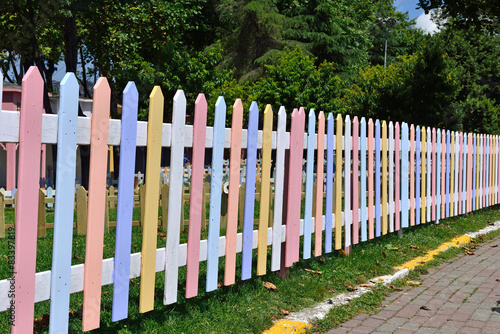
(483, 14)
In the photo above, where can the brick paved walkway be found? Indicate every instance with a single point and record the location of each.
(460, 296)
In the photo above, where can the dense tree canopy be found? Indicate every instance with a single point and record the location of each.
(320, 54)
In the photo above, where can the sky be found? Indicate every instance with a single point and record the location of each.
(423, 21)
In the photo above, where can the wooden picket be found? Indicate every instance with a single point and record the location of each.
(30, 129)
(387, 177)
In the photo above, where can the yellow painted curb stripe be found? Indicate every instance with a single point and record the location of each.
(455, 242)
(288, 327)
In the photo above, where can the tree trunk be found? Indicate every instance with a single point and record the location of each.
(70, 44)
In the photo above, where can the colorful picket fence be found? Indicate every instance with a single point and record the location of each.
(380, 178)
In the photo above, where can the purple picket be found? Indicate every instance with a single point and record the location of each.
(125, 206)
(248, 213)
(378, 180)
(329, 185)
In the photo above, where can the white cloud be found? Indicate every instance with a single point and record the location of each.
(424, 22)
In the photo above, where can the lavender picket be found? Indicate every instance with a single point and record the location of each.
(329, 185)
(311, 136)
(63, 215)
(455, 192)
(248, 213)
(362, 154)
(125, 205)
(378, 193)
(215, 195)
(404, 175)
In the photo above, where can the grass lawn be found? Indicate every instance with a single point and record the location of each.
(248, 306)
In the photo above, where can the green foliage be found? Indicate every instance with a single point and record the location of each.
(478, 14)
(417, 89)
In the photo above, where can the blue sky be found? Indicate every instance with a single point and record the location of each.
(423, 21)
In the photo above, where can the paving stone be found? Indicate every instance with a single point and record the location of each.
(448, 330)
(338, 331)
(361, 316)
(362, 329)
(469, 330)
(404, 331)
(426, 330)
(384, 314)
(481, 315)
(351, 323)
(372, 323)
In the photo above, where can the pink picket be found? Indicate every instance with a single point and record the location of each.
(196, 201)
(233, 193)
(30, 129)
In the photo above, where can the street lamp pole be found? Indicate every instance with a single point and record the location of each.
(386, 21)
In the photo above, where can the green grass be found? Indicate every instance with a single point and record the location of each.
(247, 306)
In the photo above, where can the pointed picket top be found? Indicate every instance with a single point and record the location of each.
(311, 118)
(238, 106)
(321, 115)
(221, 103)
